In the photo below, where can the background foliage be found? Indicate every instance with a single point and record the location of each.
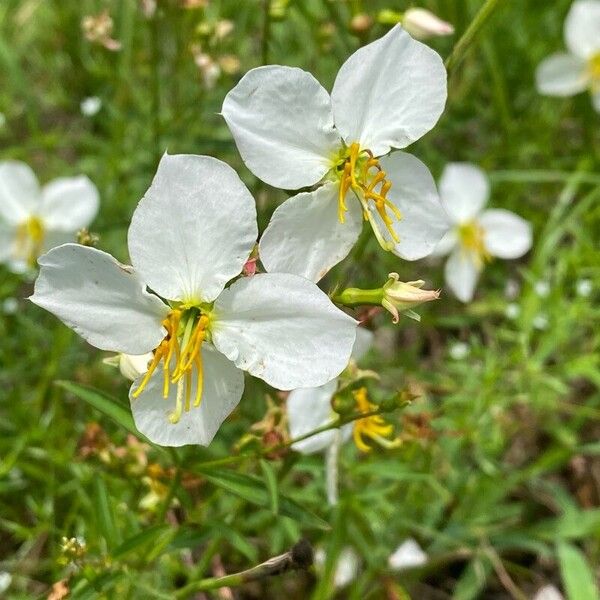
(499, 475)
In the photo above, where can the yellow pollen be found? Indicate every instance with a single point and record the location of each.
(471, 236)
(361, 172)
(181, 354)
(594, 71)
(373, 428)
(29, 240)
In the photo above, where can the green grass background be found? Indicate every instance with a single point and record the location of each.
(502, 485)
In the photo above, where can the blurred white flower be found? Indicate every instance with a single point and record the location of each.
(459, 350)
(540, 322)
(310, 408)
(185, 244)
(548, 592)
(422, 24)
(408, 555)
(542, 288)
(5, 581)
(34, 219)
(10, 306)
(511, 289)
(346, 568)
(512, 310)
(209, 69)
(292, 134)
(566, 74)
(584, 287)
(98, 30)
(90, 106)
(475, 236)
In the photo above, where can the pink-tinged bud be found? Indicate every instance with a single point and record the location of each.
(422, 24)
(249, 268)
(399, 296)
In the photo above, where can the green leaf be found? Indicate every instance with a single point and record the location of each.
(104, 512)
(575, 524)
(473, 579)
(108, 405)
(151, 535)
(271, 482)
(577, 576)
(252, 489)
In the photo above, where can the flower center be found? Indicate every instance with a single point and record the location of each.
(181, 354)
(29, 240)
(357, 169)
(594, 71)
(373, 428)
(471, 237)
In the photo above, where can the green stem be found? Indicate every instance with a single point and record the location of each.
(266, 31)
(461, 47)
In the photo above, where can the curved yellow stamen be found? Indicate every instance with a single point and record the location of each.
(472, 241)
(374, 428)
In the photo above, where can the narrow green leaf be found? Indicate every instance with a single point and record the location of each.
(106, 519)
(252, 489)
(577, 576)
(473, 579)
(141, 539)
(271, 481)
(108, 405)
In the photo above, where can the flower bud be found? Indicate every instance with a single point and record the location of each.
(130, 365)
(361, 23)
(399, 296)
(343, 403)
(422, 24)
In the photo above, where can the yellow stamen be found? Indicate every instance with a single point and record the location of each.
(594, 71)
(373, 428)
(472, 240)
(181, 354)
(360, 171)
(29, 241)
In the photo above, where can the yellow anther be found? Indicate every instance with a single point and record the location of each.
(29, 242)
(472, 241)
(181, 354)
(360, 171)
(373, 428)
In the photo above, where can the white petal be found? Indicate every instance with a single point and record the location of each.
(308, 409)
(582, 28)
(506, 235)
(7, 240)
(221, 392)
(102, 300)
(194, 229)
(408, 555)
(363, 343)
(19, 191)
(596, 100)
(305, 236)
(281, 120)
(461, 273)
(283, 329)
(389, 93)
(561, 75)
(548, 592)
(69, 203)
(414, 193)
(445, 245)
(464, 191)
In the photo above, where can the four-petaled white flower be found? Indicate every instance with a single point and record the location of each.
(190, 235)
(567, 74)
(475, 237)
(34, 219)
(292, 134)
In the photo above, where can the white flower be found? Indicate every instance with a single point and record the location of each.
(584, 287)
(475, 237)
(90, 106)
(292, 134)
(34, 219)
(422, 23)
(548, 592)
(191, 234)
(5, 581)
(346, 568)
(310, 408)
(512, 310)
(540, 322)
(567, 74)
(459, 350)
(408, 555)
(542, 288)
(10, 306)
